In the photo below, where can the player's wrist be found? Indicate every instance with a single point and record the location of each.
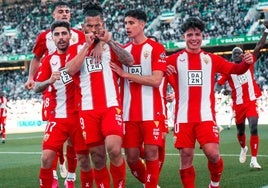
(266, 30)
(109, 41)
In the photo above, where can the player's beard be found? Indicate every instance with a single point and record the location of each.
(63, 46)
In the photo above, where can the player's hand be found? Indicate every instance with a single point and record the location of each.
(90, 38)
(170, 70)
(117, 69)
(248, 58)
(170, 97)
(29, 84)
(96, 53)
(104, 35)
(54, 77)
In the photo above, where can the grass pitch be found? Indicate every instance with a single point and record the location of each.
(20, 162)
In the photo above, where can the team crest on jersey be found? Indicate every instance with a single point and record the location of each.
(146, 53)
(74, 39)
(46, 137)
(205, 60)
(104, 47)
(195, 78)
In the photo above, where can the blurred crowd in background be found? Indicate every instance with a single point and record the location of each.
(20, 23)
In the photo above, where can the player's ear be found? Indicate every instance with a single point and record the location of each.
(83, 27)
(183, 36)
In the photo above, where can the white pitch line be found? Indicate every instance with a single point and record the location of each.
(22, 138)
(23, 153)
(167, 154)
(224, 155)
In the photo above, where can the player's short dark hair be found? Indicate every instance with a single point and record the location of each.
(193, 22)
(60, 4)
(60, 23)
(152, 37)
(93, 9)
(237, 49)
(137, 13)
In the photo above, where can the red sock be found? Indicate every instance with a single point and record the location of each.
(55, 162)
(102, 177)
(188, 177)
(71, 159)
(3, 131)
(215, 170)
(61, 156)
(46, 177)
(138, 170)
(152, 175)
(161, 157)
(254, 145)
(242, 140)
(118, 174)
(86, 179)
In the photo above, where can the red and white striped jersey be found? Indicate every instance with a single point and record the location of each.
(96, 84)
(44, 45)
(194, 88)
(3, 106)
(244, 87)
(142, 102)
(62, 92)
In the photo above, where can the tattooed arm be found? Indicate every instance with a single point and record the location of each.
(124, 56)
(41, 86)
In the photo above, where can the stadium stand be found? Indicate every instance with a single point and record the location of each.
(27, 19)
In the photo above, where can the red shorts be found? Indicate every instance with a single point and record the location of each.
(245, 110)
(3, 120)
(139, 132)
(186, 134)
(59, 129)
(97, 124)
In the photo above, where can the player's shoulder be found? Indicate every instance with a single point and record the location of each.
(77, 31)
(44, 33)
(127, 44)
(47, 58)
(154, 43)
(75, 47)
(214, 57)
(178, 53)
